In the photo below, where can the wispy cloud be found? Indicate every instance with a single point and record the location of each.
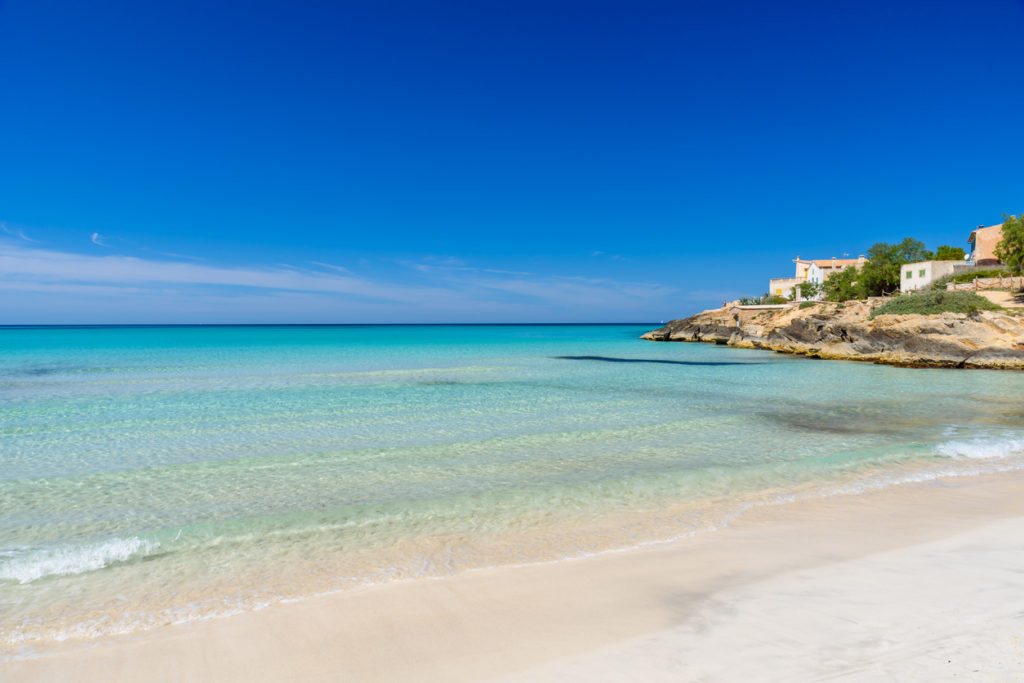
(331, 266)
(105, 241)
(428, 268)
(450, 261)
(56, 266)
(442, 291)
(184, 256)
(579, 291)
(52, 288)
(16, 232)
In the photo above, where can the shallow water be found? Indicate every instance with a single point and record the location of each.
(156, 475)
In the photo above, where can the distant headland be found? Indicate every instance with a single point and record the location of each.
(849, 331)
(900, 305)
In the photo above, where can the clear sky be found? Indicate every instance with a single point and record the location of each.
(484, 161)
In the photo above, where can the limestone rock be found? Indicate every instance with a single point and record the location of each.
(983, 339)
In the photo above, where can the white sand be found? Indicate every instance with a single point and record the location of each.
(922, 582)
(942, 610)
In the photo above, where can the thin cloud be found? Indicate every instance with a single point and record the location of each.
(580, 292)
(50, 288)
(604, 281)
(427, 268)
(98, 239)
(339, 269)
(113, 283)
(184, 256)
(16, 233)
(444, 260)
(54, 266)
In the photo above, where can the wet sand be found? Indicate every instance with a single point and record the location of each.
(919, 581)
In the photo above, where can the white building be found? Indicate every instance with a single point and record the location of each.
(920, 275)
(810, 270)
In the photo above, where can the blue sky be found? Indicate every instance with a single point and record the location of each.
(474, 161)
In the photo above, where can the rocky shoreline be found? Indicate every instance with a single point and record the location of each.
(983, 339)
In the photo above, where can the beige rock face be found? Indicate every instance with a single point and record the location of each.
(984, 339)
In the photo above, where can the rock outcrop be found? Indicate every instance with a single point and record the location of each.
(983, 339)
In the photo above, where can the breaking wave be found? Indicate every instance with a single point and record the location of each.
(983, 448)
(30, 564)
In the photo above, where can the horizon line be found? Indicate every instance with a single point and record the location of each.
(504, 324)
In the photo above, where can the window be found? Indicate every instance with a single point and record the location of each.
(910, 274)
(920, 273)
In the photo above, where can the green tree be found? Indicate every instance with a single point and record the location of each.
(844, 285)
(809, 290)
(881, 274)
(1010, 249)
(948, 253)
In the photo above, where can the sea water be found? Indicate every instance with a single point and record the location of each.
(156, 475)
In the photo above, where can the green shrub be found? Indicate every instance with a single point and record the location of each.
(881, 274)
(763, 300)
(807, 304)
(927, 303)
(844, 285)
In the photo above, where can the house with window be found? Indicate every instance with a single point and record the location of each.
(982, 242)
(922, 274)
(810, 270)
(819, 270)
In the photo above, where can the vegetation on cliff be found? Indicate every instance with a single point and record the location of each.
(844, 285)
(881, 274)
(932, 302)
(765, 299)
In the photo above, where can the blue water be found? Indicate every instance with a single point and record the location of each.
(154, 475)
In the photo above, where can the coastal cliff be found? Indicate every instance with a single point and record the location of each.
(982, 339)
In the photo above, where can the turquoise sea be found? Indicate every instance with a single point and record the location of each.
(159, 475)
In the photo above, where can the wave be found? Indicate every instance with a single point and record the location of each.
(983, 448)
(28, 565)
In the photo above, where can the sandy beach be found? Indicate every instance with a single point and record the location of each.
(327, 342)
(921, 581)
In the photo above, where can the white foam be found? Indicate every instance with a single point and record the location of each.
(983, 448)
(25, 567)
